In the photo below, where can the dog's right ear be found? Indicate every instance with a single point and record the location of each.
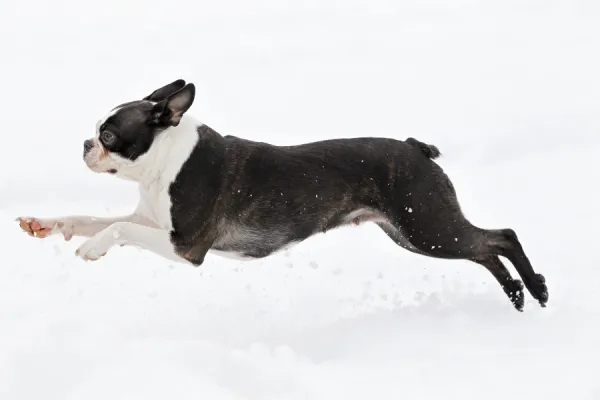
(165, 91)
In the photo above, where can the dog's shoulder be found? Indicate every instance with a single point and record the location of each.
(203, 165)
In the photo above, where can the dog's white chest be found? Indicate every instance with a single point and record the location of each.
(156, 204)
(168, 154)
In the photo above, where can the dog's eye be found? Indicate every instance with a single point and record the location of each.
(107, 137)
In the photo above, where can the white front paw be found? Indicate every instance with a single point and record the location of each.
(97, 246)
(44, 227)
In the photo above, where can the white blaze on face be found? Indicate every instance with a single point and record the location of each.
(98, 159)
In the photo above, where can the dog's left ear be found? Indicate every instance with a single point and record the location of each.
(170, 110)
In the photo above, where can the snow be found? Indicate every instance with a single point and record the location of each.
(507, 89)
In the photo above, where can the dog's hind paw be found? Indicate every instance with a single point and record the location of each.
(514, 291)
(538, 289)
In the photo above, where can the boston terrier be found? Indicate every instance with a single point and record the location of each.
(201, 191)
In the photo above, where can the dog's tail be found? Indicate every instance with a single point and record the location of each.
(428, 150)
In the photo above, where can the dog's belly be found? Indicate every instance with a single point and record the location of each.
(362, 215)
(231, 254)
(244, 242)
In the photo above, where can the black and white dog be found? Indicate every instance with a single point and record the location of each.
(201, 191)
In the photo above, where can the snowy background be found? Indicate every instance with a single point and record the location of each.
(508, 89)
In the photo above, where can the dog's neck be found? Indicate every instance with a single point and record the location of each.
(170, 149)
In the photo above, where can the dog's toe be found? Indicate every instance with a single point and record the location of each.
(538, 289)
(514, 291)
(34, 227)
(541, 290)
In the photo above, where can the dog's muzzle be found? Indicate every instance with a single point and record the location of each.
(87, 146)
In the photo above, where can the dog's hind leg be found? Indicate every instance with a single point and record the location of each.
(398, 237)
(429, 221)
(512, 287)
(453, 237)
(504, 242)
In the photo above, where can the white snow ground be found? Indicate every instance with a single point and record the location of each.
(508, 89)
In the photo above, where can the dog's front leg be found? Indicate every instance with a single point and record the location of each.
(70, 226)
(152, 239)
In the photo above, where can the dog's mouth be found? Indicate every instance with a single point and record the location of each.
(96, 157)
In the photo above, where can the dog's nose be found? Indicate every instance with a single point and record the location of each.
(87, 146)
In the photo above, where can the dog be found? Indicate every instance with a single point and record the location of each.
(201, 191)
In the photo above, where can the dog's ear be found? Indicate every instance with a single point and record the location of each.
(165, 91)
(170, 110)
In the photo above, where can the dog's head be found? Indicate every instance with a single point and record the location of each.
(127, 133)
